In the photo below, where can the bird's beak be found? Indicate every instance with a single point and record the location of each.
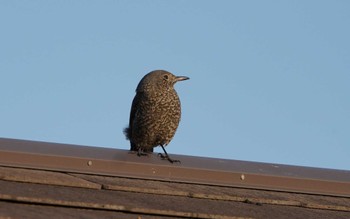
(181, 78)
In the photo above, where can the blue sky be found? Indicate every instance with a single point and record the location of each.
(269, 79)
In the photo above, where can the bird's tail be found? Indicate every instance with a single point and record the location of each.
(133, 146)
(127, 133)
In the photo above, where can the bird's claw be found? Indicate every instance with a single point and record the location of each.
(166, 157)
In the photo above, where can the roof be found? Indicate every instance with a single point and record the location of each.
(41, 180)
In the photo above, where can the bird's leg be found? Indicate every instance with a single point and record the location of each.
(165, 156)
(140, 152)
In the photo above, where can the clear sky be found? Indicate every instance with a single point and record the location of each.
(270, 80)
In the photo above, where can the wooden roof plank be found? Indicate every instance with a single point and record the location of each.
(37, 211)
(222, 193)
(45, 177)
(109, 200)
(145, 204)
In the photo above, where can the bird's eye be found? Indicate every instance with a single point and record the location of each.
(166, 77)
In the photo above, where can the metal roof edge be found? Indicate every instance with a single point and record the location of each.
(210, 171)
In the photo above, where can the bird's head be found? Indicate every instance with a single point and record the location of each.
(159, 80)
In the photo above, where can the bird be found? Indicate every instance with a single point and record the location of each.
(155, 113)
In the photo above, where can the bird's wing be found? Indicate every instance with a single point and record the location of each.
(128, 130)
(134, 105)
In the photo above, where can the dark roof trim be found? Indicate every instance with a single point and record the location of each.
(210, 171)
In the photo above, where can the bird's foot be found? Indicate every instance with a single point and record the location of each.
(166, 157)
(140, 153)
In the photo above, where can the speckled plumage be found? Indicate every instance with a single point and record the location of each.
(155, 112)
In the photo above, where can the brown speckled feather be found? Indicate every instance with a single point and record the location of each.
(155, 111)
